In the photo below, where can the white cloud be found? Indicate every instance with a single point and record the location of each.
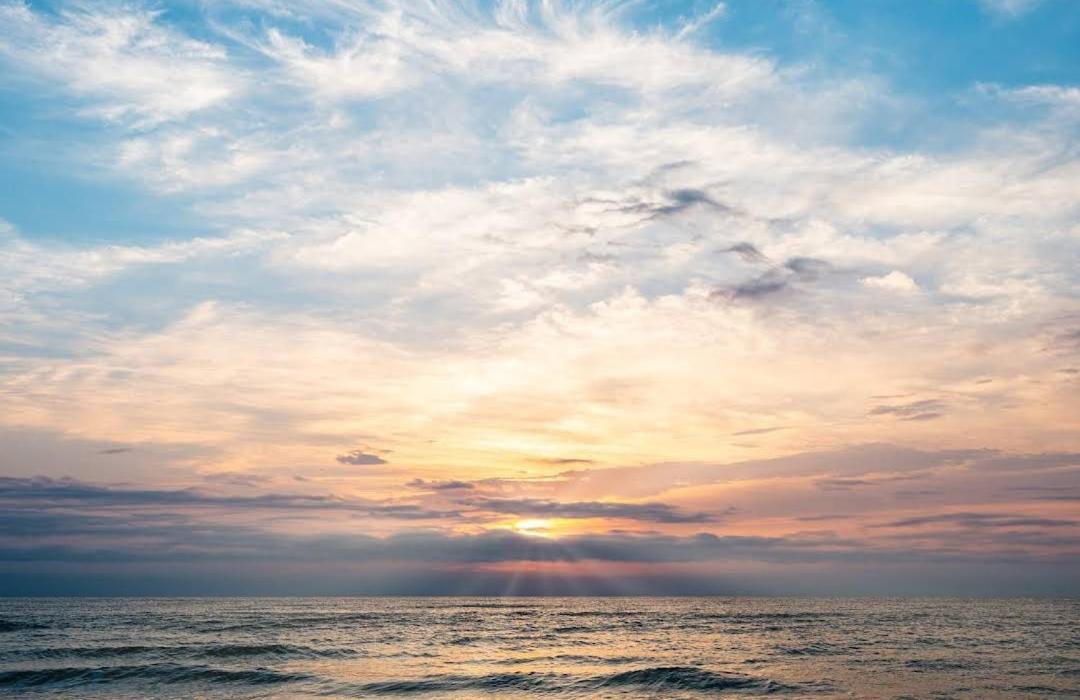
(1010, 8)
(131, 67)
(392, 47)
(696, 23)
(895, 281)
(470, 236)
(364, 67)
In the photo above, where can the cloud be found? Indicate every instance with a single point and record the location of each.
(359, 457)
(758, 431)
(981, 520)
(595, 180)
(747, 251)
(766, 285)
(777, 280)
(367, 67)
(841, 484)
(237, 479)
(808, 268)
(878, 461)
(1010, 8)
(449, 485)
(674, 202)
(1028, 462)
(926, 409)
(696, 23)
(134, 532)
(846, 483)
(649, 512)
(393, 48)
(214, 543)
(133, 67)
(1063, 97)
(47, 493)
(895, 281)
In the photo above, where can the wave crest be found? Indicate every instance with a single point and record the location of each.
(19, 625)
(667, 678)
(159, 673)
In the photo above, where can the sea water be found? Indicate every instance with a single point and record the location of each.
(553, 647)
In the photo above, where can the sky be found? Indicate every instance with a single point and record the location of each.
(508, 297)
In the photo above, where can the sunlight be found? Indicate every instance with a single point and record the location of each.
(534, 527)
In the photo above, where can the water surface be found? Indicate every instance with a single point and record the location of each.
(556, 647)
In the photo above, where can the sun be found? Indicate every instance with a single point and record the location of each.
(533, 527)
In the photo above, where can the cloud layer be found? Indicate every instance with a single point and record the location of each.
(678, 289)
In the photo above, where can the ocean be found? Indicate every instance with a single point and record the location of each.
(552, 647)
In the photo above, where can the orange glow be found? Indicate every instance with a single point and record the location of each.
(534, 527)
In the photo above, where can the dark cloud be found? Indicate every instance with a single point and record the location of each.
(236, 479)
(759, 431)
(45, 492)
(841, 484)
(674, 165)
(674, 202)
(178, 542)
(1029, 462)
(927, 409)
(853, 461)
(360, 458)
(601, 258)
(649, 512)
(683, 199)
(564, 460)
(980, 520)
(115, 450)
(60, 545)
(776, 280)
(451, 485)
(747, 251)
(1065, 341)
(916, 493)
(808, 268)
(772, 282)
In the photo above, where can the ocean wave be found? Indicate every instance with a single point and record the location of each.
(215, 651)
(659, 679)
(605, 613)
(80, 652)
(812, 649)
(484, 606)
(19, 625)
(226, 651)
(768, 616)
(668, 678)
(535, 682)
(936, 665)
(295, 622)
(570, 658)
(158, 673)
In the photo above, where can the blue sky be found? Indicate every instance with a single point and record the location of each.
(935, 53)
(786, 287)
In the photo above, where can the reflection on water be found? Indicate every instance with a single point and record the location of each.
(578, 647)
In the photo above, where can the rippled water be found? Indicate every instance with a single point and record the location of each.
(577, 647)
